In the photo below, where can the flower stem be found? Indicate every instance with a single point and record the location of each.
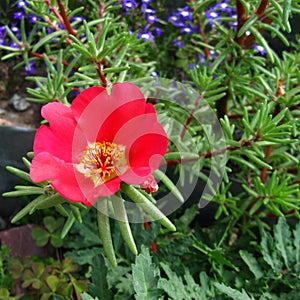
(122, 221)
(65, 18)
(101, 75)
(104, 230)
(147, 206)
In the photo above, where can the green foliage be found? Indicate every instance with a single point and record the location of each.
(145, 276)
(51, 233)
(99, 287)
(6, 281)
(48, 278)
(178, 288)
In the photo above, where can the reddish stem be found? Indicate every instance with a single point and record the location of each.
(65, 18)
(241, 19)
(54, 27)
(100, 14)
(261, 9)
(202, 32)
(56, 12)
(41, 56)
(191, 116)
(246, 143)
(101, 75)
(294, 182)
(263, 173)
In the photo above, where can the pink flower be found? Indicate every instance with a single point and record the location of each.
(101, 140)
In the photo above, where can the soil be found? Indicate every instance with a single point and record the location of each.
(13, 82)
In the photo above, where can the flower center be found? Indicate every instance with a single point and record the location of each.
(102, 162)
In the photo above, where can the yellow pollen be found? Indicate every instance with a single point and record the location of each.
(102, 162)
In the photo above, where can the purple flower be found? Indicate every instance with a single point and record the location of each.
(259, 49)
(186, 30)
(146, 36)
(182, 18)
(151, 18)
(185, 13)
(224, 6)
(13, 45)
(147, 10)
(178, 43)
(33, 18)
(146, 1)
(219, 9)
(2, 30)
(128, 4)
(154, 74)
(21, 4)
(29, 69)
(15, 29)
(77, 18)
(18, 15)
(156, 31)
(173, 19)
(212, 15)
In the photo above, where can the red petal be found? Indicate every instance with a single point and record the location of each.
(46, 167)
(91, 115)
(146, 143)
(92, 193)
(119, 117)
(68, 182)
(57, 137)
(84, 98)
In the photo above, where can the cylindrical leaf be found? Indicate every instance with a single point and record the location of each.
(104, 231)
(122, 221)
(147, 206)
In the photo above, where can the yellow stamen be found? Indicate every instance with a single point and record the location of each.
(102, 162)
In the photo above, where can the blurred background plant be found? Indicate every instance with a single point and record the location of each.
(242, 57)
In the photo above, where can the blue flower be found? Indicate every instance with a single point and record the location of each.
(154, 74)
(151, 18)
(157, 31)
(178, 43)
(259, 49)
(21, 4)
(77, 18)
(128, 4)
(186, 30)
(146, 36)
(147, 10)
(30, 68)
(18, 15)
(14, 45)
(15, 29)
(182, 19)
(33, 18)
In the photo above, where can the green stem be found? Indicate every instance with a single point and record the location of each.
(104, 230)
(123, 224)
(147, 206)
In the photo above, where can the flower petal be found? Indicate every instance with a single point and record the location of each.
(47, 167)
(119, 117)
(91, 117)
(146, 143)
(57, 137)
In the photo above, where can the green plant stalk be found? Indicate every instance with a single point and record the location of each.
(159, 175)
(147, 206)
(123, 224)
(104, 230)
